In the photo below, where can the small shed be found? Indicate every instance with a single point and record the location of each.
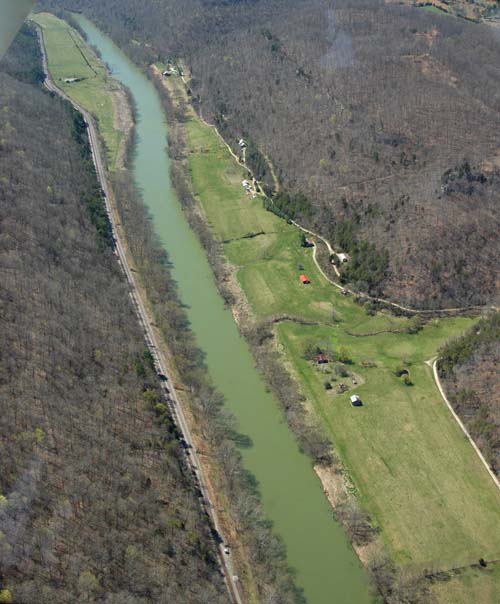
(343, 257)
(321, 359)
(356, 401)
(242, 144)
(304, 279)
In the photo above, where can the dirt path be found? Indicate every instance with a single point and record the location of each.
(433, 363)
(258, 190)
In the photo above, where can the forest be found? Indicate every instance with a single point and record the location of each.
(364, 109)
(469, 369)
(96, 501)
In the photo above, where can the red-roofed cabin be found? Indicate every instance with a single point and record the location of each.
(304, 279)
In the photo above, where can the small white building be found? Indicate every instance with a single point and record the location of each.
(355, 401)
(170, 71)
(241, 143)
(343, 257)
(246, 185)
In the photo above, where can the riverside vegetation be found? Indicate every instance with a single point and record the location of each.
(380, 351)
(266, 574)
(143, 52)
(96, 502)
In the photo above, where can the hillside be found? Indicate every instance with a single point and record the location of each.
(380, 126)
(96, 503)
(469, 368)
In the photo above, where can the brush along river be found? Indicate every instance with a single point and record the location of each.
(317, 548)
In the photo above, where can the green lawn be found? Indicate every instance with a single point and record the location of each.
(437, 10)
(234, 214)
(69, 57)
(411, 466)
(474, 586)
(408, 460)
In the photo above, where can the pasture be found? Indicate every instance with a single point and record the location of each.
(411, 466)
(69, 57)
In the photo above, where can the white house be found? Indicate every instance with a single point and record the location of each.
(343, 257)
(246, 184)
(242, 144)
(356, 401)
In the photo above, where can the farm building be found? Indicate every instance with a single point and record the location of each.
(356, 401)
(304, 279)
(343, 257)
(170, 71)
(247, 186)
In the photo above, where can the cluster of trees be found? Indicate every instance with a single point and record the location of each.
(469, 369)
(96, 501)
(356, 105)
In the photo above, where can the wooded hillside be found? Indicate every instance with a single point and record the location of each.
(96, 504)
(380, 118)
(469, 368)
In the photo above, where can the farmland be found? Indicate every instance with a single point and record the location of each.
(70, 58)
(475, 585)
(410, 465)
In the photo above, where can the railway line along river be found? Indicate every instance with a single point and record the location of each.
(317, 548)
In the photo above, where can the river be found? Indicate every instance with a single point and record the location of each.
(12, 14)
(326, 566)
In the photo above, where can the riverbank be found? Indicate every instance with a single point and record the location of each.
(291, 498)
(142, 254)
(403, 442)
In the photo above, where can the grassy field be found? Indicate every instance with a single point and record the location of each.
(69, 57)
(474, 586)
(410, 464)
(437, 10)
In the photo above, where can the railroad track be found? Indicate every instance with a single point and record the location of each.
(161, 366)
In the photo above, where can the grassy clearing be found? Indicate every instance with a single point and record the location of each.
(437, 10)
(408, 460)
(69, 57)
(410, 464)
(476, 585)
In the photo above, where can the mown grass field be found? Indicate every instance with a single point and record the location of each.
(69, 57)
(473, 586)
(408, 460)
(410, 464)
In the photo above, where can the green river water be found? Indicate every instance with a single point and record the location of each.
(12, 14)
(326, 566)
